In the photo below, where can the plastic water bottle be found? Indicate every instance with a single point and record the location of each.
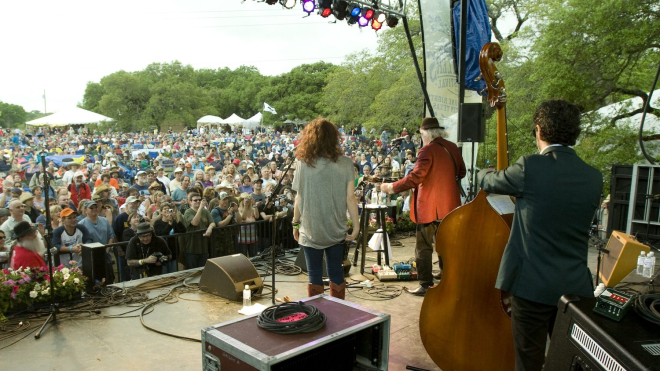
(649, 265)
(247, 297)
(374, 197)
(599, 290)
(640, 263)
(383, 198)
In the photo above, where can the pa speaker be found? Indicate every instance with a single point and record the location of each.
(227, 276)
(93, 265)
(472, 127)
(621, 259)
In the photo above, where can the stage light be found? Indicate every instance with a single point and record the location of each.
(340, 9)
(362, 21)
(381, 17)
(325, 7)
(392, 21)
(289, 4)
(376, 25)
(308, 6)
(369, 14)
(355, 10)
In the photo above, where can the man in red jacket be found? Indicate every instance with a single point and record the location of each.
(79, 189)
(439, 163)
(29, 247)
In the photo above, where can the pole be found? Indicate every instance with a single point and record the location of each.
(45, 102)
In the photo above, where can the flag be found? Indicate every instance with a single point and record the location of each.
(270, 109)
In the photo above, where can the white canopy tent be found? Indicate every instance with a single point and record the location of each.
(234, 120)
(253, 121)
(71, 116)
(210, 119)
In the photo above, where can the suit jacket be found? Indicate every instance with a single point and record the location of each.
(434, 180)
(557, 195)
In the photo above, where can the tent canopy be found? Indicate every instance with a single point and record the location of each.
(71, 116)
(253, 121)
(233, 120)
(210, 119)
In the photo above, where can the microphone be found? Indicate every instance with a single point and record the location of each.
(398, 140)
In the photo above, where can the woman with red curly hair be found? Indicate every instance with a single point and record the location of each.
(324, 182)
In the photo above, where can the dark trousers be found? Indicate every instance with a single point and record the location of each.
(531, 323)
(425, 239)
(333, 264)
(195, 260)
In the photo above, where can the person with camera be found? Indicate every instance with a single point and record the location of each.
(169, 222)
(226, 213)
(147, 253)
(196, 218)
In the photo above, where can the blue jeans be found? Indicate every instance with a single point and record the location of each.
(195, 260)
(333, 264)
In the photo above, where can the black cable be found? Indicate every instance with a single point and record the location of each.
(648, 307)
(268, 319)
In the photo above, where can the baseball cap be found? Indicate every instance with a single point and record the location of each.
(89, 204)
(131, 199)
(159, 168)
(178, 170)
(66, 212)
(223, 195)
(140, 173)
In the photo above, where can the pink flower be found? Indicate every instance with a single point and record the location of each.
(15, 288)
(5, 271)
(60, 267)
(13, 295)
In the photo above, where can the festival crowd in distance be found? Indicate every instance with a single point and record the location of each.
(142, 187)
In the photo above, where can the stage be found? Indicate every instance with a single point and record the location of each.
(104, 343)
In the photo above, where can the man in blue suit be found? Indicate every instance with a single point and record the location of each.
(556, 195)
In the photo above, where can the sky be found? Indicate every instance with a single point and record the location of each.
(59, 46)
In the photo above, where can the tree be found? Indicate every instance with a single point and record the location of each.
(11, 115)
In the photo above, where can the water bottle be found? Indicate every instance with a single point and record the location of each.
(247, 297)
(374, 197)
(649, 265)
(383, 198)
(640, 263)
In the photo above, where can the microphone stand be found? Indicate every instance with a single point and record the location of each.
(54, 308)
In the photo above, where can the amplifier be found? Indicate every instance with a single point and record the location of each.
(353, 337)
(584, 340)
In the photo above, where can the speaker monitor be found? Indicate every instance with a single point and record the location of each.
(227, 276)
(621, 259)
(93, 264)
(472, 127)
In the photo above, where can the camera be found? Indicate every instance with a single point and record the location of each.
(160, 257)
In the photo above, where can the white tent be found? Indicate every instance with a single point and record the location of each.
(233, 120)
(71, 116)
(210, 119)
(253, 121)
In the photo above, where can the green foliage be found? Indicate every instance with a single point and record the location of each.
(12, 115)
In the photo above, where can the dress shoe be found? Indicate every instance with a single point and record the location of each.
(418, 291)
(437, 276)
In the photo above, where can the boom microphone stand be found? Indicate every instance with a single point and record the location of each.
(54, 308)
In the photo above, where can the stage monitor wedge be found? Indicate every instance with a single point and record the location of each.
(621, 259)
(227, 276)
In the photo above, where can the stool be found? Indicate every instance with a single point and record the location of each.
(362, 242)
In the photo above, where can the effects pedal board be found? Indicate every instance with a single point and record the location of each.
(614, 304)
(386, 274)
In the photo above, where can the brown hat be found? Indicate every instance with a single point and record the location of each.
(101, 188)
(430, 123)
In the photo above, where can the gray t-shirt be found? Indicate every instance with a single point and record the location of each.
(322, 201)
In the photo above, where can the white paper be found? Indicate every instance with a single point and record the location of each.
(501, 203)
(377, 242)
(252, 309)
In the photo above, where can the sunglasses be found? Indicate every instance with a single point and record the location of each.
(196, 200)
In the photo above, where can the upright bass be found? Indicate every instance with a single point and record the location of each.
(464, 323)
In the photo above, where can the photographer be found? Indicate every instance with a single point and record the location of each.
(147, 253)
(169, 222)
(226, 213)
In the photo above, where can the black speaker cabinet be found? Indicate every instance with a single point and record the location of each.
(227, 276)
(472, 127)
(93, 264)
(584, 340)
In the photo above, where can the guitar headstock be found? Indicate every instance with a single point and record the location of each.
(491, 53)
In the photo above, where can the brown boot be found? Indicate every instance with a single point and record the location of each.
(338, 291)
(314, 289)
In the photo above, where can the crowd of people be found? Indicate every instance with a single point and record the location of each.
(120, 187)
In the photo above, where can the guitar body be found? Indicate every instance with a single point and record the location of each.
(462, 324)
